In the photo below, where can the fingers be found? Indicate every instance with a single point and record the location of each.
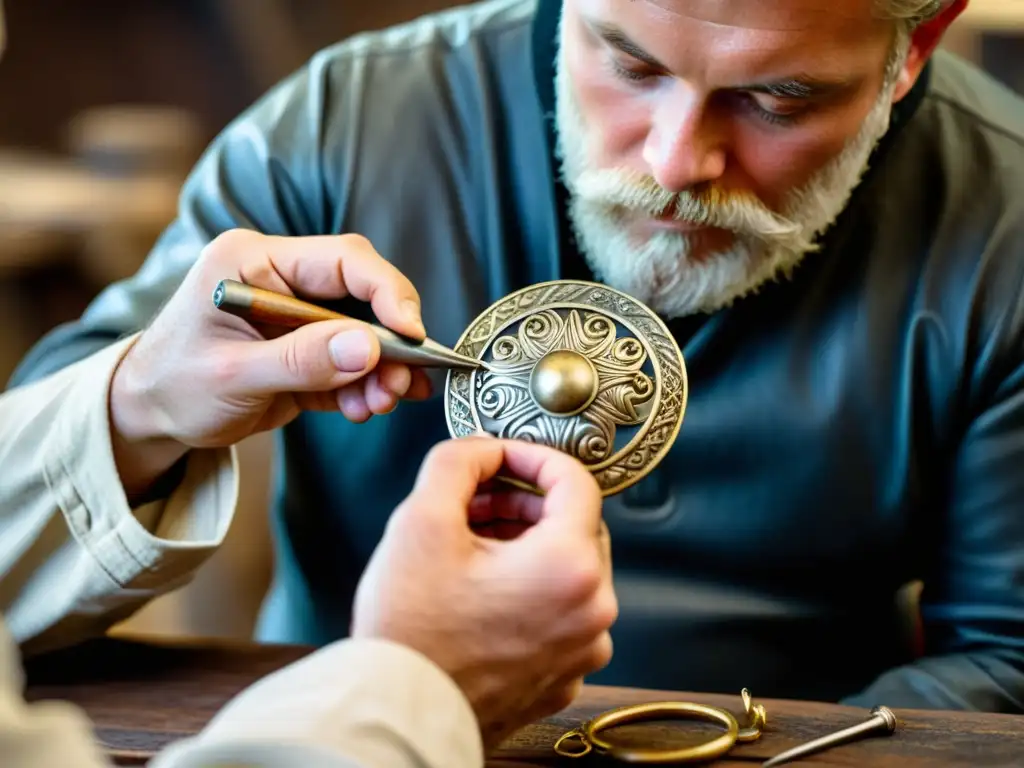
(454, 469)
(338, 357)
(572, 498)
(391, 381)
(321, 357)
(584, 660)
(374, 395)
(318, 357)
(377, 394)
(554, 699)
(421, 388)
(605, 546)
(503, 515)
(592, 613)
(498, 505)
(563, 689)
(321, 267)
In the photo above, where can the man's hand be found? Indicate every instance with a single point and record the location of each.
(199, 377)
(509, 593)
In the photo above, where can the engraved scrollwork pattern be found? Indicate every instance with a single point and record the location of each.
(507, 409)
(582, 317)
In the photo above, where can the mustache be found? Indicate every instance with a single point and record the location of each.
(738, 211)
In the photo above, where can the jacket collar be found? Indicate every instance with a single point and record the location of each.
(544, 53)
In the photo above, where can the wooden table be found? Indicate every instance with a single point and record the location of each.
(142, 695)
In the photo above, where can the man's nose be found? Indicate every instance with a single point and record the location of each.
(684, 147)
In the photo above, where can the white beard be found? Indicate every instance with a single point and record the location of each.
(657, 270)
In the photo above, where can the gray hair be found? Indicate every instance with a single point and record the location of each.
(910, 13)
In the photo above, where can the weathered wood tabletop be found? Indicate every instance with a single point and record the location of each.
(143, 695)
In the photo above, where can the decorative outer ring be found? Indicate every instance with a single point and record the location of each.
(587, 733)
(663, 425)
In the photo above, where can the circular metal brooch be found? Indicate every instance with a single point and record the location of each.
(577, 366)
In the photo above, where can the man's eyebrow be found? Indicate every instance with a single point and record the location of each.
(616, 38)
(799, 87)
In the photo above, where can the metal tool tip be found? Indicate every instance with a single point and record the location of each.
(218, 294)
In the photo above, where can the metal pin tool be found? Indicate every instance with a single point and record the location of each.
(882, 722)
(263, 306)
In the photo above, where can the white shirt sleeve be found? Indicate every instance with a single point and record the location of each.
(75, 559)
(354, 704)
(365, 703)
(50, 734)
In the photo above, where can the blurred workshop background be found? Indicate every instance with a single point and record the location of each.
(105, 105)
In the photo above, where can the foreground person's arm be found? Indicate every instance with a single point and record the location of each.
(119, 481)
(452, 650)
(76, 556)
(44, 735)
(454, 647)
(355, 704)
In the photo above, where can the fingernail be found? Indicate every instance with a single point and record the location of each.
(350, 350)
(411, 310)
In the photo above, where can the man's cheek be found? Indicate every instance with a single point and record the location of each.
(796, 156)
(616, 127)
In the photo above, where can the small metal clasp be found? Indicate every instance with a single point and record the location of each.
(575, 733)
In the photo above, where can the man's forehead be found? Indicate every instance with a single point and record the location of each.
(791, 46)
(769, 15)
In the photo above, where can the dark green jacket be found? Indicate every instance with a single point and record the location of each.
(848, 431)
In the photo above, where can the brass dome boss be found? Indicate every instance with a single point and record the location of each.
(578, 366)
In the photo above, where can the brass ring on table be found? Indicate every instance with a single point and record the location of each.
(587, 733)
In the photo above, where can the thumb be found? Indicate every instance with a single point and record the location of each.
(318, 357)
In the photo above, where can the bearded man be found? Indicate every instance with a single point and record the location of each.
(828, 212)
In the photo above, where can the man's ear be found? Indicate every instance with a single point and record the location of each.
(923, 42)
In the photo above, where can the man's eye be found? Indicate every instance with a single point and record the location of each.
(775, 111)
(633, 73)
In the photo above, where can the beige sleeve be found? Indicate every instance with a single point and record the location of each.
(353, 704)
(48, 734)
(358, 703)
(74, 558)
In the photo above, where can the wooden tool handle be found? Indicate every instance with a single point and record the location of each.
(263, 306)
(258, 305)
